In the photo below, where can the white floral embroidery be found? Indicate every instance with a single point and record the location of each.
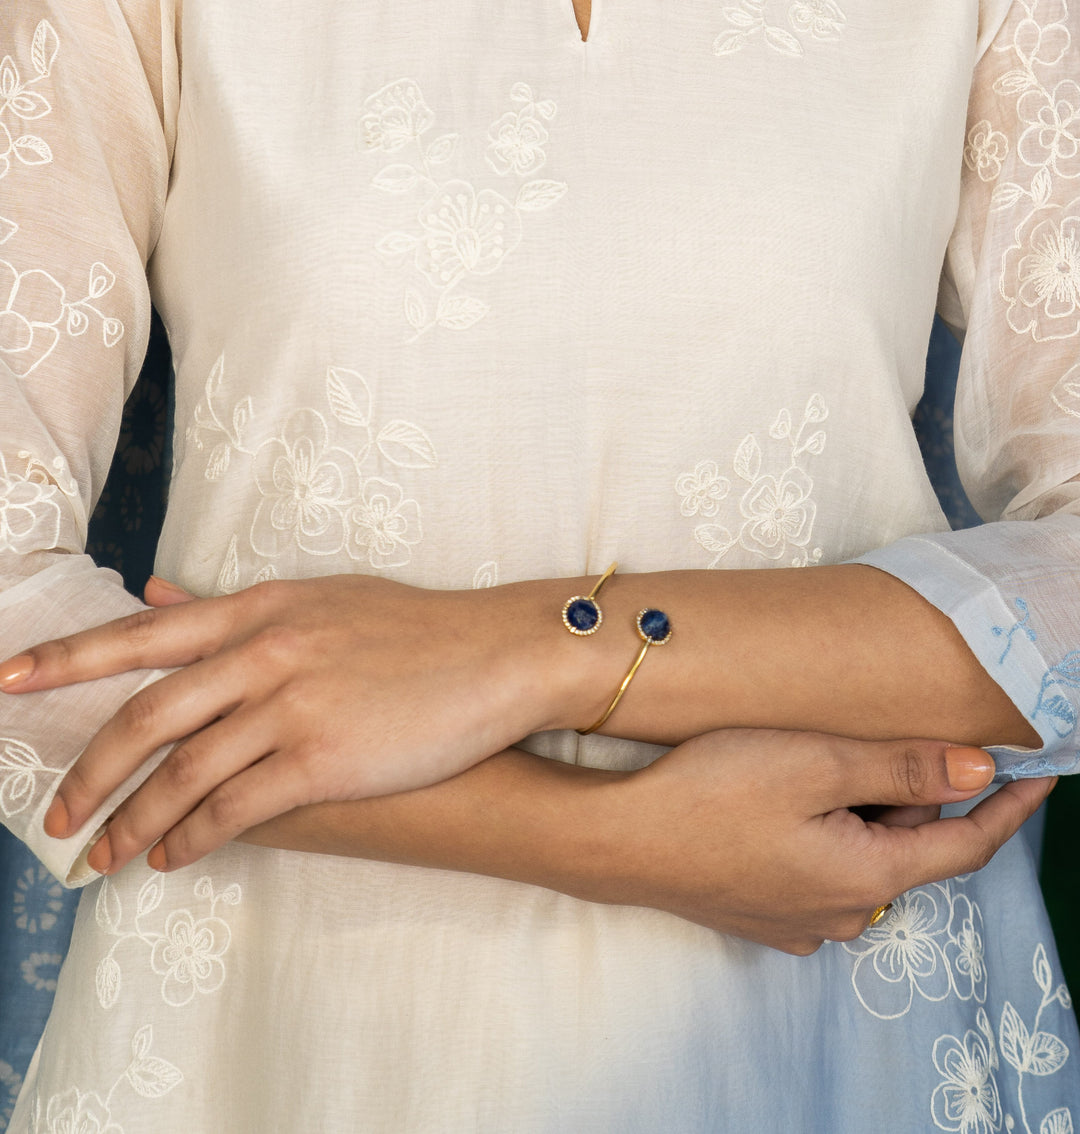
(1066, 393)
(518, 137)
(1040, 271)
(187, 953)
(487, 575)
(986, 149)
(20, 766)
(463, 231)
(73, 1112)
(29, 512)
(777, 510)
(820, 19)
(967, 1099)
(32, 307)
(315, 495)
(39, 898)
(21, 103)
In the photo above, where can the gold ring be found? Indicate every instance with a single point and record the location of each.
(879, 913)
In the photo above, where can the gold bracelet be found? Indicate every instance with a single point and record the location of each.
(580, 613)
(654, 629)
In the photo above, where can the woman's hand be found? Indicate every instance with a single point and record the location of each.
(750, 831)
(290, 693)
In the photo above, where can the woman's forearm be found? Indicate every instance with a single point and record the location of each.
(847, 650)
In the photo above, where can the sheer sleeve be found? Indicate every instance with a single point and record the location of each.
(88, 90)
(1011, 285)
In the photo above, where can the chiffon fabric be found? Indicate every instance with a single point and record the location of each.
(459, 299)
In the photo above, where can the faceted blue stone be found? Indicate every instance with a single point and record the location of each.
(583, 614)
(654, 625)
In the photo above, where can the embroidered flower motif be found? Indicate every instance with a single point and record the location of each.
(33, 304)
(304, 485)
(702, 490)
(29, 512)
(383, 526)
(465, 233)
(20, 766)
(188, 955)
(22, 103)
(780, 513)
(1042, 44)
(1057, 1122)
(964, 950)
(966, 1100)
(395, 116)
(903, 955)
(10, 1083)
(986, 149)
(1041, 276)
(1053, 132)
(75, 1113)
(822, 18)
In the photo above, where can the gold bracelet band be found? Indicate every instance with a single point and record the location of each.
(654, 629)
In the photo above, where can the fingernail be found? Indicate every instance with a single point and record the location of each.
(156, 859)
(15, 670)
(57, 820)
(969, 769)
(100, 856)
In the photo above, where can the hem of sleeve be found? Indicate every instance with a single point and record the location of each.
(991, 630)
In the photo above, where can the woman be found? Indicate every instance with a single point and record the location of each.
(481, 296)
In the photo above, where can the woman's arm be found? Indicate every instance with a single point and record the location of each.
(685, 835)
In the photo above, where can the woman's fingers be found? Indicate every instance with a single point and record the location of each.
(149, 639)
(268, 788)
(160, 592)
(177, 706)
(965, 843)
(188, 776)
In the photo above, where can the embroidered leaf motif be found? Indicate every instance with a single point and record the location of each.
(204, 888)
(1042, 186)
(215, 378)
(415, 309)
(521, 92)
(740, 18)
(1014, 82)
(1057, 1122)
(101, 281)
(713, 537)
(21, 763)
(728, 42)
(536, 195)
(781, 427)
(230, 895)
(459, 312)
(1068, 669)
(815, 444)
(228, 579)
(487, 575)
(396, 244)
(241, 415)
(396, 178)
(29, 105)
(1040, 969)
(748, 458)
(1046, 1054)
(9, 77)
(8, 228)
(152, 1077)
(218, 464)
(150, 895)
(77, 321)
(442, 149)
(1064, 997)
(141, 1042)
(266, 574)
(406, 445)
(546, 108)
(1006, 195)
(107, 909)
(44, 48)
(32, 150)
(783, 41)
(112, 331)
(816, 410)
(107, 981)
(339, 386)
(1014, 1038)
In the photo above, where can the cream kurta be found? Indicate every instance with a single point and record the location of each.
(456, 298)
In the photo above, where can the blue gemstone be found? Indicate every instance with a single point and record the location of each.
(583, 614)
(654, 625)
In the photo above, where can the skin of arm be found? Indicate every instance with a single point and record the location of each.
(436, 681)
